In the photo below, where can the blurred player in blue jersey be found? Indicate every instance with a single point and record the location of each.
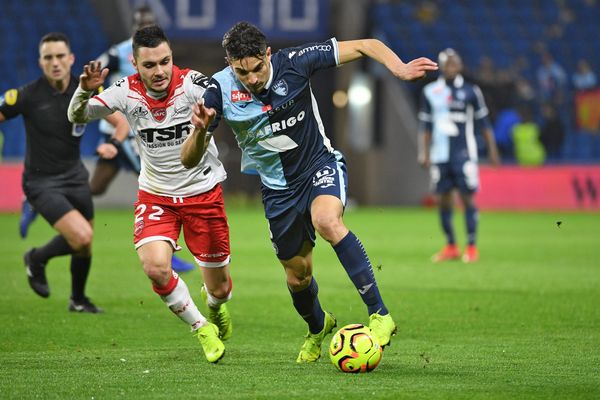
(118, 59)
(452, 111)
(268, 102)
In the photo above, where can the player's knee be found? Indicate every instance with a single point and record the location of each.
(298, 282)
(221, 291)
(82, 241)
(329, 227)
(157, 271)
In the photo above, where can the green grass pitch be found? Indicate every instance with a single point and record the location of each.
(524, 322)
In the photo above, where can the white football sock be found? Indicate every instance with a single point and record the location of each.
(182, 305)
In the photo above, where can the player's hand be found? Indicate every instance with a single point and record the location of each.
(202, 117)
(416, 69)
(93, 76)
(107, 151)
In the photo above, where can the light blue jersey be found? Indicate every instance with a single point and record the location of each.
(279, 131)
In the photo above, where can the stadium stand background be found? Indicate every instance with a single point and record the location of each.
(381, 148)
(22, 24)
(512, 34)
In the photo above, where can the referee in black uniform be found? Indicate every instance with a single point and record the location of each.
(55, 180)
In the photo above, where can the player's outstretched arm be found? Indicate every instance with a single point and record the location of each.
(354, 49)
(89, 81)
(195, 144)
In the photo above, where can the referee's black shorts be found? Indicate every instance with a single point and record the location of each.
(52, 196)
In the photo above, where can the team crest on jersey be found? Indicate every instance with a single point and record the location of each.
(280, 87)
(159, 113)
(239, 95)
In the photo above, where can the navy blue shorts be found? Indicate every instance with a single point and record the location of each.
(288, 211)
(461, 175)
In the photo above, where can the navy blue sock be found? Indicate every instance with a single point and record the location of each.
(471, 218)
(80, 268)
(353, 257)
(307, 304)
(446, 219)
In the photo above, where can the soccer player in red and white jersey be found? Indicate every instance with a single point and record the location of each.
(157, 102)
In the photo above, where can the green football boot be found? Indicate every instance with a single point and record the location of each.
(311, 349)
(208, 336)
(383, 327)
(219, 316)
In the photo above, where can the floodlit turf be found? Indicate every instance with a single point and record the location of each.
(524, 322)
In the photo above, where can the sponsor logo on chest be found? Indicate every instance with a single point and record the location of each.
(239, 95)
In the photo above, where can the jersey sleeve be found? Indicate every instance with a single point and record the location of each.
(311, 57)
(481, 114)
(424, 116)
(213, 99)
(195, 85)
(83, 109)
(13, 102)
(112, 98)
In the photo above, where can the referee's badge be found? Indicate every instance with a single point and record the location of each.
(10, 97)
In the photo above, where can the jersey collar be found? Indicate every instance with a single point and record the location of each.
(458, 82)
(270, 81)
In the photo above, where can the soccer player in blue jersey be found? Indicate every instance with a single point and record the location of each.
(267, 100)
(452, 111)
(118, 59)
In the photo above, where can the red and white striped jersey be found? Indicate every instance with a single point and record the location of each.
(160, 128)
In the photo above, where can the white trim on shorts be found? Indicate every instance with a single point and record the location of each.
(340, 171)
(155, 239)
(208, 264)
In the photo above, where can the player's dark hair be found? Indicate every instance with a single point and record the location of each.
(244, 40)
(55, 37)
(149, 36)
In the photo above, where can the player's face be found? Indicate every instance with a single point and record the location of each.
(452, 67)
(155, 66)
(56, 60)
(253, 72)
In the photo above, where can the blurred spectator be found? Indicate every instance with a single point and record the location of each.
(486, 73)
(526, 137)
(552, 132)
(524, 92)
(503, 128)
(584, 77)
(552, 80)
(427, 12)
